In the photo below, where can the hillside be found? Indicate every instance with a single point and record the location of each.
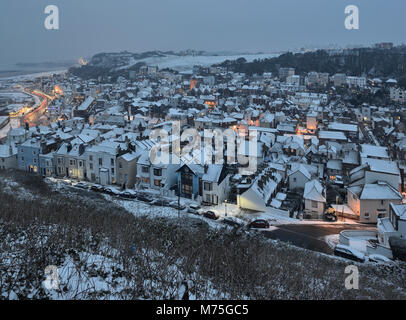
(118, 64)
(363, 61)
(104, 252)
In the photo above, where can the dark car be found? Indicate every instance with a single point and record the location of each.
(160, 202)
(109, 191)
(127, 195)
(210, 215)
(259, 224)
(175, 205)
(232, 222)
(348, 253)
(97, 188)
(144, 198)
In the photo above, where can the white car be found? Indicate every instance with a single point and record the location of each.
(381, 259)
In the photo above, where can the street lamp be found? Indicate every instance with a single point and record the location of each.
(225, 204)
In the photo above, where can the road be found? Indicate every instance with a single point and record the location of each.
(37, 116)
(311, 236)
(34, 118)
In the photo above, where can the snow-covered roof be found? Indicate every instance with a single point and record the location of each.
(332, 135)
(384, 166)
(302, 169)
(376, 191)
(314, 191)
(343, 127)
(399, 210)
(85, 105)
(369, 150)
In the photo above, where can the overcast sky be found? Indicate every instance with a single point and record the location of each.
(91, 26)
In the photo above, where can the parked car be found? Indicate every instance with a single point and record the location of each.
(194, 209)
(347, 252)
(112, 191)
(97, 188)
(82, 185)
(233, 222)
(259, 224)
(128, 194)
(210, 215)
(160, 202)
(378, 258)
(175, 205)
(144, 198)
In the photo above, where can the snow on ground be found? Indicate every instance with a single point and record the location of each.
(186, 63)
(15, 96)
(143, 209)
(11, 187)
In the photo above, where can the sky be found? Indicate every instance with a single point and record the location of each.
(88, 27)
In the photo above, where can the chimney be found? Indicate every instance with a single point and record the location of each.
(127, 142)
(206, 168)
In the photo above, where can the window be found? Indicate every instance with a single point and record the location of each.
(315, 204)
(158, 172)
(294, 179)
(187, 183)
(157, 183)
(90, 158)
(80, 163)
(208, 186)
(112, 170)
(366, 215)
(382, 202)
(100, 161)
(145, 169)
(112, 161)
(91, 166)
(120, 165)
